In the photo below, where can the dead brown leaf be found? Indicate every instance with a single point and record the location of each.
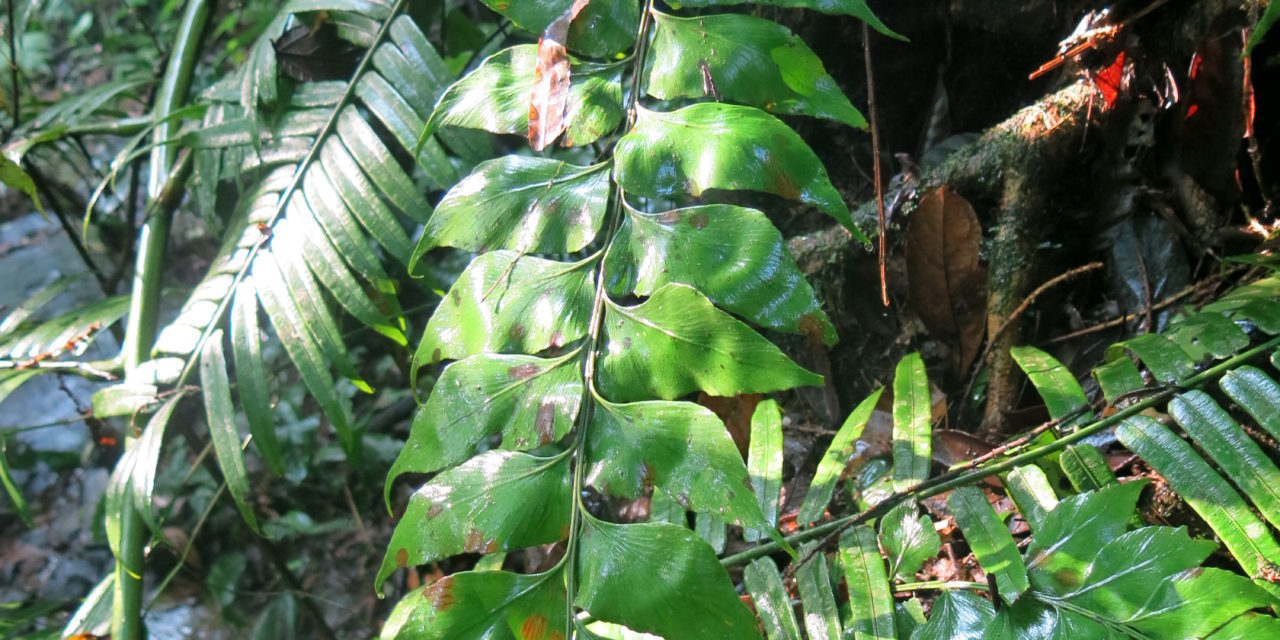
(946, 278)
(549, 104)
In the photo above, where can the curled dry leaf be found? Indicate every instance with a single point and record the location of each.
(947, 281)
(548, 107)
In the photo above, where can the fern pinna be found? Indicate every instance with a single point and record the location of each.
(578, 360)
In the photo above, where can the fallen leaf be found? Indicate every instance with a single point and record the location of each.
(946, 279)
(549, 104)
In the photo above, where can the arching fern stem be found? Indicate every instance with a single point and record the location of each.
(948, 481)
(613, 221)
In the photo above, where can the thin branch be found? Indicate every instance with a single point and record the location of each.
(875, 159)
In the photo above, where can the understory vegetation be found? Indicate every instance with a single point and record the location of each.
(547, 320)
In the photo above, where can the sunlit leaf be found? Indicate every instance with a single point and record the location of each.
(1118, 378)
(1031, 492)
(721, 146)
(223, 432)
(718, 250)
(1256, 393)
(483, 604)
(1206, 333)
(908, 539)
(834, 460)
(1085, 467)
(1055, 384)
(855, 8)
(251, 375)
(676, 342)
(813, 581)
(748, 60)
(1073, 531)
(507, 302)
(957, 615)
(911, 423)
(869, 595)
(658, 578)
(990, 541)
(521, 203)
(604, 26)
(764, 462)
(1166, 360)
(772, 602)
(496, 501)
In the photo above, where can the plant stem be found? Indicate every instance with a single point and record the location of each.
(15, 98)
(949, 481)
(162, 189)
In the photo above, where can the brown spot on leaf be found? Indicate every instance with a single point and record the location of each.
(555, 635)
(812, 329)
(434, 510)
(436, 356)
(782, 184)
(474, 541)
(626, 342)
(669, 217)
(534, 627)
(557, 340)
(523, 372)
(517, 332)
(545, 422)
(402, 558)
(440, 594)
(456, 296)
(699, 220)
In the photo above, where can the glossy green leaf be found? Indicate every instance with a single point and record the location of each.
(664, 508)
(1256, 393)
(676, 342)
(718, 250)
(1073, 531)
(521, 203)
(1264, 25)
(481, 604)
(990, 541)
(223, 432)
(1206, 333)
(712, 529)
(67, 334)
(912, 423)
(1242, 532)
(750, 61)
(94, 613)
(1248, 626)
(678, 447)
(530, 401)
(722, 146)
(834, 460)
(1238, 456)
(18, 314)
(869, 595)
(772, 602)
(496, 501)
(1196, 602)
(813, 581)
(908, 615)
(855, 8)
(1164, 359)
(1030, 490)
(1118, 378)
(957, 615)
(122, 399)
(1031, 619)
(658, 578)
(603, 27)
(764, 462)
(908, 538)
(507, 302)
(1118, 579)
(1057, 387)
(495, 97)
(1264, 314)
(251, 375)
(11, 488)
(1085, 467)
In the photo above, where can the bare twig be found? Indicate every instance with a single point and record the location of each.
(875, 159)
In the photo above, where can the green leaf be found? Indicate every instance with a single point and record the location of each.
(1030, 490)
(1166, 360)
(764, 462)
(908, 615)
(69, 333)
(1248, 627)
(496, 501)
(1268, 19)
(990, 541)
(911, 423)
(221, 416)
(869, 595)
(1257, 394)
(1035, 620)
(23, 310)
(908, 539)
(658, 578)
(122, 399)
(678, 447)
(1118, 580)
(133, 480)
(603, 27)
(1086, 468)
(480, 604)
(11, 488)
(530, 401)
(251, 375)
(1118, 378)
(1196, 602)
(1057, 387)
(855, 8)
(772, 602)
(957, 615)
(12, 175)
(750, 60)
(676, 342)
(507, 302)
(495, 97)
(834, 460)
(521, 203)
(1073, 531)
(711, 529)
(722, 146)
(93, 616)
(1206, 333)
(1239, 457)
(718, 250)
(1244, 535)
(813, 581)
